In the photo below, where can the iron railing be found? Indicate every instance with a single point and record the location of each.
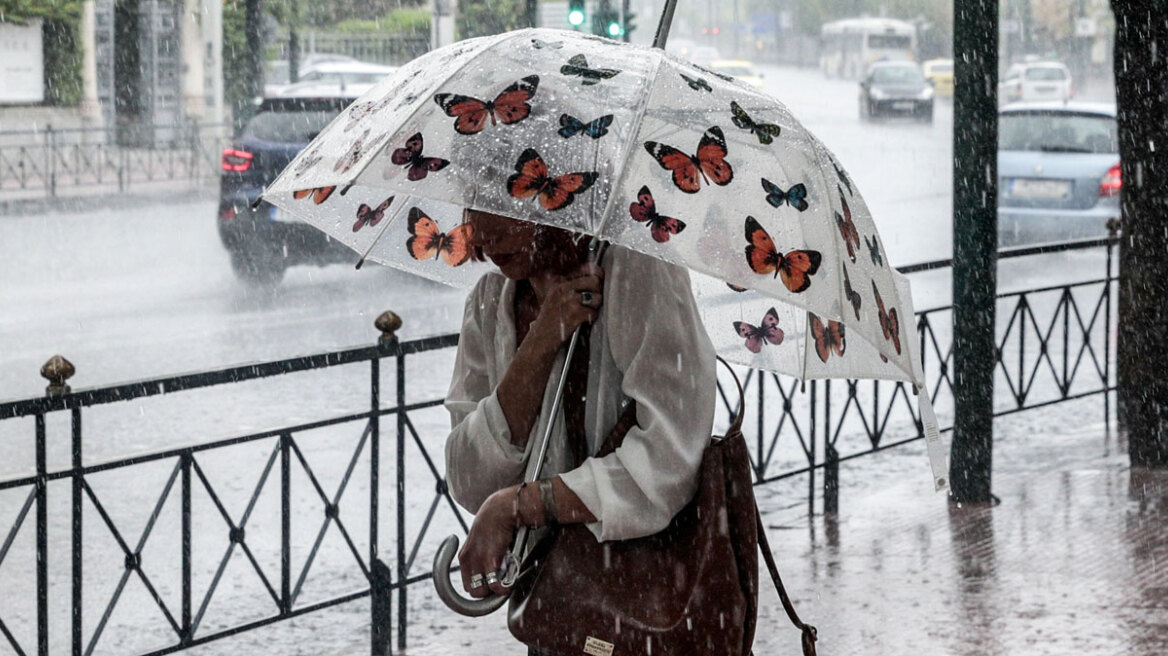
(1062, 332)
(54, 162)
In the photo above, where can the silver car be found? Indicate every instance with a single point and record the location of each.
(1058, 171)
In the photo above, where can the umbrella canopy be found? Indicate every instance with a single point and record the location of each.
(635, 147)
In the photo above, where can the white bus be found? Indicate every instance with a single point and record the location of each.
(849, 46)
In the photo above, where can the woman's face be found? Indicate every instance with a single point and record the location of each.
(520, 249)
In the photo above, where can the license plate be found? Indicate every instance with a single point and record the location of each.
(1032, 188)
(280, 216)
(903, 106)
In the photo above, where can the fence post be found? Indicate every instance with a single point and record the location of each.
(381, 593)
(1113, 226)
(78, 544)
(42, 541)
(830, 479)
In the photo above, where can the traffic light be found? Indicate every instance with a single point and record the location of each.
(606, 21)
(612, 25)
(630, 24)
(576, 13)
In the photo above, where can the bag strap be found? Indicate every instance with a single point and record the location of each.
(810, 633)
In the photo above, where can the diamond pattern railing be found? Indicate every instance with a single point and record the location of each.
(1054, 345)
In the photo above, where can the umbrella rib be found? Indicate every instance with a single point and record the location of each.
(638, 118)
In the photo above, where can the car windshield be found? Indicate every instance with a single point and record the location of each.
(297, 126)
(1045, 74)
(1057, 132)
(897, 75)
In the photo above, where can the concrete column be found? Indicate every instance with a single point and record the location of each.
(193, 85)
(212, 35)
(90, 105)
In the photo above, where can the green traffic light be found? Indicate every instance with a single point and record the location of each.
(614, 29)
(576, 17)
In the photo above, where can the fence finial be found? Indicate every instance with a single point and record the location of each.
(1113, 226)
(388, 323)
(57, 370)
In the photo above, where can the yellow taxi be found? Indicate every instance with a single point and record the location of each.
(940, 73)
(738, 68)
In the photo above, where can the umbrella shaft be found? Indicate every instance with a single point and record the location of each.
(663, 27)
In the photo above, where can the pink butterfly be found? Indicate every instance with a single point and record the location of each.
(411, 157)
(371, 216)
(645, 211)
(756, 338)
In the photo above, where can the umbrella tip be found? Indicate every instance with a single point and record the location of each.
(360, 262)
(255, 204)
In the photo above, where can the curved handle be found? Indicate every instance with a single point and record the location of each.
(449, 596)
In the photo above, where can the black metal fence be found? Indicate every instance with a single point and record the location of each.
(54, 162)
(1055, 345)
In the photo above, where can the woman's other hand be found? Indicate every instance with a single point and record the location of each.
(572, 300)
(488, 542)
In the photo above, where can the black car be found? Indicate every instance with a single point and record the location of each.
(263, 242)
(896, 88)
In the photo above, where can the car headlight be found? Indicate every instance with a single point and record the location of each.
(926, 93)
(877, 94)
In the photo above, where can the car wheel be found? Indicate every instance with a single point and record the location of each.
(257, 269)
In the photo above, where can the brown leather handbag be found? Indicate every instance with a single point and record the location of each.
(689, 590)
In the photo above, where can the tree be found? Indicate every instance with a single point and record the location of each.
(487, 17)
(1141, 85)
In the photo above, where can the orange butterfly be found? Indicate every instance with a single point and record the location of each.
(319, 195)
(796, 267)
(690, 170)
(829, 338)
(889, 321)
(510, 106)
(847, 228)
(531, 179)
(428, 241)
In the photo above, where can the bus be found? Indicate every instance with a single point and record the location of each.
(849, 46)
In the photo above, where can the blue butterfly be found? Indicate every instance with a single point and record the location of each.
(795, 196)
(572, 126)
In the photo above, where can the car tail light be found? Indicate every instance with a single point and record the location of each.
(227, 212)
(236, 160)
(1112, 183)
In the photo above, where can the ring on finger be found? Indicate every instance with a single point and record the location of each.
(492, 578)
(476, 581)
(586, 298)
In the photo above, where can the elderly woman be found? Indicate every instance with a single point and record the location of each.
(647, 345)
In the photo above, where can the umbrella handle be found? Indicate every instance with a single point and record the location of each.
(449, 596)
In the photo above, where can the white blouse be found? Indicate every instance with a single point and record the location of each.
(648, 344)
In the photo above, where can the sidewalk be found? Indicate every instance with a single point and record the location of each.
(1069, 563)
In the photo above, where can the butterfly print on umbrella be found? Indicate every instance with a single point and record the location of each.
(578, 66)
(874, 250)
(766, 333)
(531, 178)
(796, 196)
(644, 210)
(766, 132)
(847, 228)
(795, 268)
(427, 241)
(709, 164)
(829, 338)
(510, 106)
(889, 321)
(358, 111)
(410, 156)
(842, 176)
(697, 83)
(851, 294)
(310, 160)
(571, 126)
(319, 194)
(371, 216)
(357, 151)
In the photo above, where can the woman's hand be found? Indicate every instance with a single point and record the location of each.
(572, 300)
(488, 542)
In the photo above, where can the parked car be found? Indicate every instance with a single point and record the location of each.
(1036, 81)
(739, 69)
(344, 73)
(277, 75)
(1058, 171)
(261, 240)
(940, 73)
(894, 88)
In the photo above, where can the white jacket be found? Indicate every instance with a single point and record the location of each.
(649, 345)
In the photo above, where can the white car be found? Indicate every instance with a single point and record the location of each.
(1036, 81)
